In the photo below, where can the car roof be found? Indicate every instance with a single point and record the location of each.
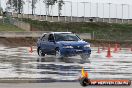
(59, 32)
(55, 33)
(43, 34)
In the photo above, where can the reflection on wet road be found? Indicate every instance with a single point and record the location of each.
(20, 63)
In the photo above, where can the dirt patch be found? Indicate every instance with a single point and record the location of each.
(32, 42)
(18, 41)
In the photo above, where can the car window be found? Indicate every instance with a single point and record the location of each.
(66, 37)
(51, 37)
(44, 37)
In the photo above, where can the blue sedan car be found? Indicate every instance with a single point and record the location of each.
(62, 44)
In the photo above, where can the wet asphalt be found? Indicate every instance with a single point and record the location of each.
(19, 64)
(54, 85)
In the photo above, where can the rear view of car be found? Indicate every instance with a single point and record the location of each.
(63, 44)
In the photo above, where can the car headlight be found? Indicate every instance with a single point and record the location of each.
(87, 46)
(67, 47)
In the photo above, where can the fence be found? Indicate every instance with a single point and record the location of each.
(35, 34)
(109, 35)
(73, 19)
(113, 36)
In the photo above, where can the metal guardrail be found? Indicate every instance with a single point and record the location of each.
(74, 19)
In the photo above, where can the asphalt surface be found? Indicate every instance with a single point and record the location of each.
(54, 85)
(18, 64)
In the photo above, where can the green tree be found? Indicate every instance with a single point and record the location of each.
(49, 3)
(33, 5)
(1, 11)
(60, 4)
(17, 5)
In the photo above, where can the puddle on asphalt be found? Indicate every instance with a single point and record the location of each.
(20, 63)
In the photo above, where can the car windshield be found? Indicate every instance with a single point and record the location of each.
(66, 37)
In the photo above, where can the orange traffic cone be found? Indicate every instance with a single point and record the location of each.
(98, 50)
(109, 52)
(84, 74)
(31, 49)
(116, 48)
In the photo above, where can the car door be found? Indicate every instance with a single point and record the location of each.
(43, 43)
(51, 44)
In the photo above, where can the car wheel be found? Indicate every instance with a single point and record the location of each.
(40, 53)
(85, 81)
(85, 56)
(58, 54)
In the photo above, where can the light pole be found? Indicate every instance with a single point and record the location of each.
(77, 11)
(28, 7)
(40, 9)
(84, 10)
(128, 13)
(46, 12)
(122, 13)
(116, 12)
(65, 11)
(71, 11)
(90, 8)
(35, 15)
(52, 13)
(58, 11)
(109, 11)
(71, 8)
(33, 9)
(103, 12)
(97, 11)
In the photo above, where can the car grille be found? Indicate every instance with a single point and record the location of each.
(77, 47)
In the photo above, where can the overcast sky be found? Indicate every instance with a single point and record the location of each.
(89, 11)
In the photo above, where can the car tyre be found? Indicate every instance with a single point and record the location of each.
(85, 81)
(58, 54)
(40, 53)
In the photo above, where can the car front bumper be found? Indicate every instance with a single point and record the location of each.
(74, 52)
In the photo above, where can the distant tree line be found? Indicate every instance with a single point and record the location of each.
(17, 5)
